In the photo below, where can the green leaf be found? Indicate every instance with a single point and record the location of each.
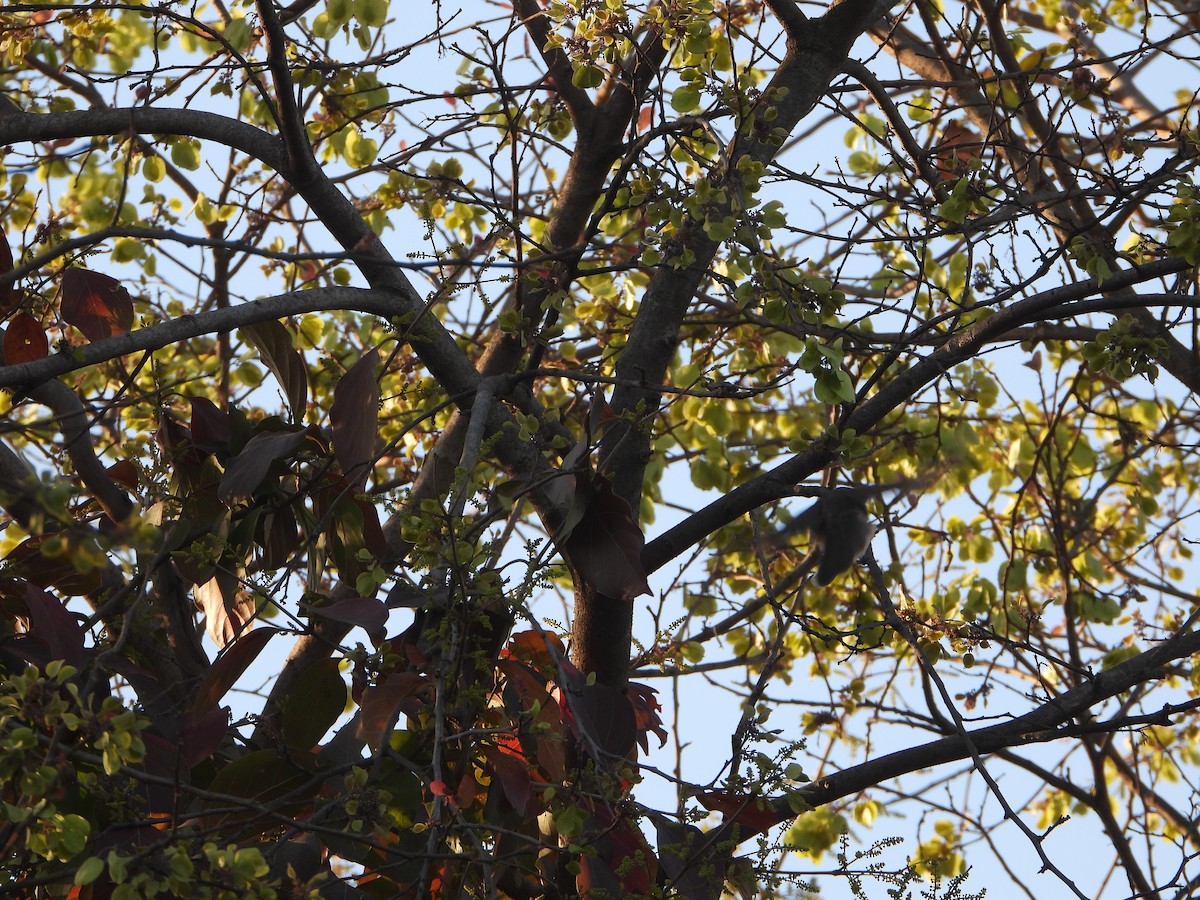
(372, 13)
(90, 870)
(154, 169)
(359, 151)
(185, 153)
(834, 386)
(685, 99)
(587, 77)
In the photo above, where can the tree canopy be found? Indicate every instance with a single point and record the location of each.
(409, 415)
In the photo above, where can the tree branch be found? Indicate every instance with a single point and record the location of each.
(779, 482)
(558, 66)
(1039, 725)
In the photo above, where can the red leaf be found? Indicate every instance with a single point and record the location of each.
(367, 612)
(605, 546)
(52, 624)
(354, 416)
(379, 703)
(58, 571)
(24, 340)
(632, 858)
(96, 304)
(754, 814)
(204, 735)
(124, 473)
(541, 650)
(210, 425)
(514, 777)
(440, 789)
(224, 673)
(274, 343)
(246, 471)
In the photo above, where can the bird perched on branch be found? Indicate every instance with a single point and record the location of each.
(840, 530)
(839, 527)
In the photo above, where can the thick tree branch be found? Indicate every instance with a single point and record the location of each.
(780, 481)
(1072, 218)
(27, 127)
(72, 419)
(385, 304)
(816, 51)
(558, 66)
(1046, 723)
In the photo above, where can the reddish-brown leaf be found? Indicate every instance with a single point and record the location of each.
(277, 537)
(224, 673)
(646, 709)
(57, 571)
(203, 736)
(540, 649)
(353, 527)
(514, 777)
(596, 878)
(246, 471)
(263, 776)
(354, 418)
(956, 149)
(367, 612)
(605, 546)
(694, 866)
(551, 741)
(6, 256)
(124, 473)
(53, 625)
(24, 340)
(528, 684)
(468, 790)
(210, 425)
(753, 814)
(274, 343)
(227, 609)
(379, 704)
(603, 715)
(96, 304)
(632, 858)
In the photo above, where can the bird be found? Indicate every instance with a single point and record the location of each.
(840, 529)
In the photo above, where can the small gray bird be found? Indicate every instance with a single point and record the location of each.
(840, 530)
